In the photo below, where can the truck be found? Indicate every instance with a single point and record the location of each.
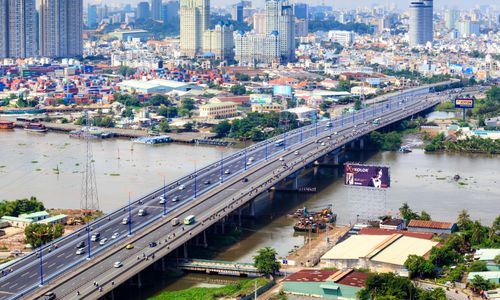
(189, 220)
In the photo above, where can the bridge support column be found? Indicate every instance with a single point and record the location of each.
(251, 208)
(239, 217)
(185, 251)
(361, 144)
(222, 225)
(205, 244)
(296, 183)
(163, 264)
(353, 144)
(112, 294)
(139, 282)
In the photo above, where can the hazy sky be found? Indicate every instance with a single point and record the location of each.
(465, 4)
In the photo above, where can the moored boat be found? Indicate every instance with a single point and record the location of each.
(35, 127)
(6, 124)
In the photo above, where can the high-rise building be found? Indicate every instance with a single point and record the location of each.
(170, 12)
(259, 23)
(195, 18)
(237, 12)
(219, 41)
(450, 18)
(345, 38)
(254, 48)
(280, 19)
(61, 28)
(421, 25)
(156, 10)
(143, 10)
(301, 11)
(18, 28)
(467, 28)
(91, 16)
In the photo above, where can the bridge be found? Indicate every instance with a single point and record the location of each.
(218, 267)
(210, 194)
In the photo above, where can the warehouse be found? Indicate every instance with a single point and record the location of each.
(379, 253)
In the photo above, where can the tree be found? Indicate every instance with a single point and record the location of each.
(407, 213)
(434, 294)
(164, 126)
(444, 256)
(128, 112)
(358, 104)
(463, 221)
(168, 111)
(478, 283)
(184, 112)
(265, 261)
(387, 286)
(188, 104)
(419, 266)
(497, 259)
(478, 266)
(238, 89)
(37, 234)
(188, 126)
(425, 216)
(223, 128)
(158, 100)
(20, 206)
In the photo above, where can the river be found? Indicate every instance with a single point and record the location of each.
(425, 181)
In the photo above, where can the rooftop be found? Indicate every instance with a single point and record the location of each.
(345, 277)
(393, 249)
(53, 218)
(380, 231)
(487, 254)
(34, 215)
(430, 224)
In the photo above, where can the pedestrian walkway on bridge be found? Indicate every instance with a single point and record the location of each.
(218, 266)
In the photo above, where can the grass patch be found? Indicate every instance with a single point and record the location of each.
(463, 183)
(114, 174)
(440, 178)
(1, 167)
(34, 161)
(38, 170)
(243, 287)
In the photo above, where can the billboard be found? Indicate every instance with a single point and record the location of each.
(261, 99)
(464, 103)
(284, 90)
(367, 176)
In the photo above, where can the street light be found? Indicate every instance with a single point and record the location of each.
(221, 167)
(164, 198)
(39, 235)
(195, 185)
(245, 151)
(88, 240)
(129, 216)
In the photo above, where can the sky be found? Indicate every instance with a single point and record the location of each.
(402, 4)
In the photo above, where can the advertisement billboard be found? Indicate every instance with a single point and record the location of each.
(367, 176)
(464, 103)
(284, 90)
(261, 99)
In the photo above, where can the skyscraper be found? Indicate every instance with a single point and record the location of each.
(420, 26)
(237, 12)
(170, 12)
(61, 28)
(451, 18)
(91, 16)
(301, 11)
(142, 11)
(156, 10)
(280, 19)
(18, 28)
(195, 18)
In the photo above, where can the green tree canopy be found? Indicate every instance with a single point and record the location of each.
(223, 128)
(20, 206)
(188, 104)
(265, 261)
(478, 283)
(157, 100)
(419, 266)
(37, 234)
(238, 89)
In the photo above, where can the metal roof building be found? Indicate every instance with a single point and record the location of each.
(157, 86)
(381, 253)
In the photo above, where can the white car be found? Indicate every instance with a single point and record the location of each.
(80, 251)
(296, 152)
(103, 241)
(118, 264)
(282, 159)
(181, 187)
(115, 235)
(162, 199)
(227, 172)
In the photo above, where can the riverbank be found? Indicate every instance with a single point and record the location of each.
(242, 288)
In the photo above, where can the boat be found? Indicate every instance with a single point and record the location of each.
(6, 124)
(153, 140)
(91, 133)
(313, 221)
(35, 127)
(404, 149)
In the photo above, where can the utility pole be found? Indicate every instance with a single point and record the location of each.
(40, 235)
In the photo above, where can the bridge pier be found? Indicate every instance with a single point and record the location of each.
(251, 207)
(222, 223)
(361, 144)
(239, 217)
(185, 251)
(205, 244)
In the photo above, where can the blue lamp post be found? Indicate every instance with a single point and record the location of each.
(88, 241)
(129, 216)
(195, 181)
(221, 167)
(164, 198)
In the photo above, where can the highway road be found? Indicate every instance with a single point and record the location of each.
(24, 274)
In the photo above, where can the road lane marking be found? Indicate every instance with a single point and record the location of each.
(32, 275)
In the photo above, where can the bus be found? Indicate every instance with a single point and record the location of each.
(189, 220)
(279, 143)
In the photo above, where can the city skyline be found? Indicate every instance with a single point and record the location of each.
(401, 4)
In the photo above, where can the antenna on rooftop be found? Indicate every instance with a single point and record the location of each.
(89, 199)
